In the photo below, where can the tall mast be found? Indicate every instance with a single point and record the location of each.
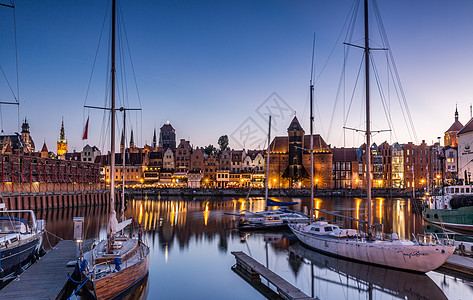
(124, 167)
(267, 165)
(112, 109)
(368, 130)
(312, 134)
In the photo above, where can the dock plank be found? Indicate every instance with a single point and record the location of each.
(463, 264)
(45, 278)
(285, 289)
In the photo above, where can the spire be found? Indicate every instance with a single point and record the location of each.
(122, 142)
(62, 135)
(154, 138)
(25, 128)
(132, 143)
(456, 113)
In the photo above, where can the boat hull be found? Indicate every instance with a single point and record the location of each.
(459, 218)
(115, 284)
(13, 258)
(417, 258)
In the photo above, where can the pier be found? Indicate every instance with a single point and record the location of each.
(251, 270)
(46, 278)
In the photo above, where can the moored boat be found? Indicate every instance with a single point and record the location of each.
(419, 255)
(21, 236)
(451, 207)
(119, 262)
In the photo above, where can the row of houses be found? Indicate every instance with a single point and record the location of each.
(393, 165)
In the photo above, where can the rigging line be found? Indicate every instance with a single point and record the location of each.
(16, 56)
(131, 59)
(8, 83)
(396, 73)
(403, 110)
(381, 94)
(96, 53)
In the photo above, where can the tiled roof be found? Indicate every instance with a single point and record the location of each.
(467, 128)
(456, 126)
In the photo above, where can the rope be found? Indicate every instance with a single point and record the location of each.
(54, 235)
(73, 279)
(78, 287)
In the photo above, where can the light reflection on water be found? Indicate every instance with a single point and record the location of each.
(191, 241)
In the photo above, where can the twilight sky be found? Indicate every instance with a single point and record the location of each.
(214, 67)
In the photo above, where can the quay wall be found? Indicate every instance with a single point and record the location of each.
(241, 192)
(39, 201)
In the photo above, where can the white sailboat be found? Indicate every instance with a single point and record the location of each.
(118, 262)
(419, 256)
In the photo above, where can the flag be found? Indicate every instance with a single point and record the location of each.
(86, 129)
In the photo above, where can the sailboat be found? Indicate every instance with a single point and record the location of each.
(419, 256)
(271, 219)
(119, 262)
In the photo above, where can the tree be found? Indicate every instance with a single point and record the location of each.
(210, 149)
(223, 143)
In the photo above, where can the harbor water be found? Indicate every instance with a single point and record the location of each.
(191, 240)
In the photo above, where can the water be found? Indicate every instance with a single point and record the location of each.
(191, 241)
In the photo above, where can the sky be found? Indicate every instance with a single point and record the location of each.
(214, 67)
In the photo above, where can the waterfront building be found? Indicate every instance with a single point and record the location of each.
(211, 166)
(436, 164)
(451, 164)
(155, 159)
(89, 153)
(450, 136)
(397, 166)
(223, 177)
(194, 178)
(345, 168)
(237, 157)
(183, 156)
(226, 160)
(62, 141)
(16, 143)
(416, 165)
(168, 160)
(197, 160)
(465, 151)
(386, 153)
(167, 137)
(289, 165)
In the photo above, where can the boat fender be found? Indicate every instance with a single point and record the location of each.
(117, 263)
(83, 265)
(42, 252)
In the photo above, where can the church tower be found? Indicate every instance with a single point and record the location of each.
(26, 138)
(62, 142)
(450, 137)
(154, 139)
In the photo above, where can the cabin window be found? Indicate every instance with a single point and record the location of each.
(328, 228)
(462, 190)
(467, 190)
(456, 190)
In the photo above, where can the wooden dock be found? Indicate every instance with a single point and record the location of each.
(45, 278)
(460, 263)
(251, 270)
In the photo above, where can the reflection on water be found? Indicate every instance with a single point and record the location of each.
(191, 240)
(364, 280)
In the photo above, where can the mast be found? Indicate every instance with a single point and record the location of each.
(267, 166)
(311, 87)
(124, 167)
(368, 130)
(112, 109)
